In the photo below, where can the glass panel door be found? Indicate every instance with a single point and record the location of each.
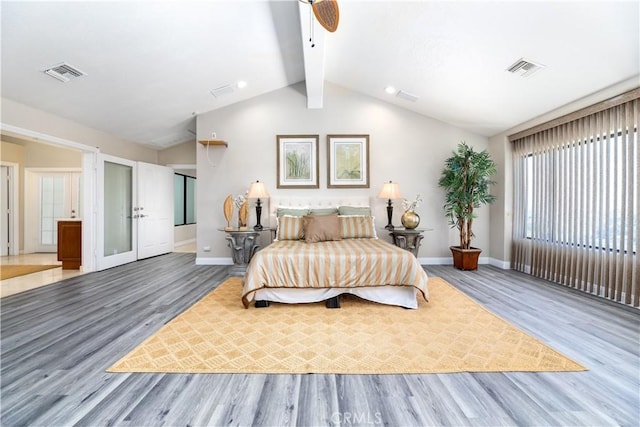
(118, 208)
(117, 228)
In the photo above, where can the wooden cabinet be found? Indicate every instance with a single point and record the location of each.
(70, 244)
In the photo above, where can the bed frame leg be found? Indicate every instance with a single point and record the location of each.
(261, 303)
(333, 302)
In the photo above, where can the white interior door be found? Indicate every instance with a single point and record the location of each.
(117, 227)
(5, 221)
(154, 210)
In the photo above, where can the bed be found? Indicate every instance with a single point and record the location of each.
(312, 261)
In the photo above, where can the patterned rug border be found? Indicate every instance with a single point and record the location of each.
(118, 368)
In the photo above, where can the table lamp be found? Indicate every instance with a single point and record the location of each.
(257, 190)
(390, 190)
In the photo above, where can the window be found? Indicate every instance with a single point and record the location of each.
(59, 198)
(185, 199)
(52, 197)
(577, 203)
(604, 161)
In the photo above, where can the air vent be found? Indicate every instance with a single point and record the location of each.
(64, 72)
(221, 91)
(524, 67)
(406, 96)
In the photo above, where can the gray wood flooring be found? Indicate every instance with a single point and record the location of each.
(57, 341)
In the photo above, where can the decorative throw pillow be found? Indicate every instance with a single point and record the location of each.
(323, 211)
(292, 212)
(289, 228)
(357, 227)
(354, 210)
(321, 228)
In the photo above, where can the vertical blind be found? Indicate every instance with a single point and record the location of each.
(577, 203)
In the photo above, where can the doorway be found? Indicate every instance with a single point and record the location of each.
(51, 195)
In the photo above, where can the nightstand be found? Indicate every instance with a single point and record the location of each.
(408, 239)
(243, 244)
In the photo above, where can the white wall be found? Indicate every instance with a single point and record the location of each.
(184, 153)
(25, 117)
(405, 147)
(184, 234)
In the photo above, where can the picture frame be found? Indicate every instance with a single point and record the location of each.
(298, 161)
(347, 161)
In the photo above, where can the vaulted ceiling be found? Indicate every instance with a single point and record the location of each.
(151, 66)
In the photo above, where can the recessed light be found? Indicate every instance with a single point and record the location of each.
(242, 84)
(390, 90)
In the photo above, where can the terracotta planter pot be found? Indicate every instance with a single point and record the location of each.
(465, 259)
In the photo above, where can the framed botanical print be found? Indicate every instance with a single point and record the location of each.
(297, 161)
(348, 161)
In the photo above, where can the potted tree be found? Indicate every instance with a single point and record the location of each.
(466, 181)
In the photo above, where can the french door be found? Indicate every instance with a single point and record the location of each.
(117, 231)
(135, 211)
(50, 195)
(155, 210)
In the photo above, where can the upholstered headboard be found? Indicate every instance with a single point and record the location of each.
(313, 203)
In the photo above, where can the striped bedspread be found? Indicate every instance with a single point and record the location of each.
(343, 264)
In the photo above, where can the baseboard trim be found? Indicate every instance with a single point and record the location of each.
(214, 261)
(448, 260)
(504, 265)
(184, 242)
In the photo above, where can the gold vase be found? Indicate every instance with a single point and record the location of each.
(410, 219)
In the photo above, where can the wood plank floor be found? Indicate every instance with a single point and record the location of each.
(57, 341)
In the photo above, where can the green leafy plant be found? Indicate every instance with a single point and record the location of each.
(466, 181)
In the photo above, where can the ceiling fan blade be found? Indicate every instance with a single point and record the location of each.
(327, 14)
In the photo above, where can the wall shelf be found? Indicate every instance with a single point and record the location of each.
(216, 142)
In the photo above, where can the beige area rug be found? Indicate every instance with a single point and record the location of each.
(450, 333)
(9, 271)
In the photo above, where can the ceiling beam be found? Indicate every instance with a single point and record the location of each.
(313, 52)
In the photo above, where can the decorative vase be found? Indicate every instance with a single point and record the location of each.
(410, 219)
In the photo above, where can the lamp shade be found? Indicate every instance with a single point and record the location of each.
(257, 190)
(390, 190)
